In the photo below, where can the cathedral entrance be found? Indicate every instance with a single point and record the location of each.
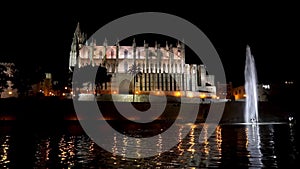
(125, 87)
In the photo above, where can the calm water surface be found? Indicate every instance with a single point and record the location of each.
(230, 146)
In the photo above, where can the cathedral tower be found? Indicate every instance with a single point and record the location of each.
(77, 43)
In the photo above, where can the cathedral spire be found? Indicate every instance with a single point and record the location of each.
(134, 51)
(118, 42)
(145, 44)
(178, 44)
(77, 30)
(105, 42)
(75, 47)
(94, 42)
(91, 43)
(167, 46)
(117, 53)
(133, 43)
(105, 48)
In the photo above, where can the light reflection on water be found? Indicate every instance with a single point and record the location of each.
(5, 144)
(247, 146)
(254, 145)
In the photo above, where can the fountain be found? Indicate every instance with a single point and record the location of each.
(251, 108)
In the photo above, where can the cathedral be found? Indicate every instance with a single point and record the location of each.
(143, 69)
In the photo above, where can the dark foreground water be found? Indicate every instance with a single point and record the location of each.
(230, 146)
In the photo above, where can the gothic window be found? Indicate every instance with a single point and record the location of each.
(111, 53)
(125, 53)
(178, 52)
(100, 54)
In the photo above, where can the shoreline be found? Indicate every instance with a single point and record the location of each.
(56, 109)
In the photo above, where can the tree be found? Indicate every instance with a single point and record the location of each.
(3, 78)
(23, 79)
(82, 77)
(136, 72)
(102, 78)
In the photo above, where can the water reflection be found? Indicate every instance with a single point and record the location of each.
(42, 152)
(230, 146)
(4, 149)
(67, 151)
(292, 142)
(268, 146)
(253, 146)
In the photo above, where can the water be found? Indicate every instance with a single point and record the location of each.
(230, 146)
(251, 109)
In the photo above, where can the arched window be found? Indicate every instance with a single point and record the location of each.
(139, 54)
(111, 53)
(125, 53)
(100, 54)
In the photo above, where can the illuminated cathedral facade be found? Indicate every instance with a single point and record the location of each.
(158, 69)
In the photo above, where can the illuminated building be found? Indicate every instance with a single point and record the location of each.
(161, 68)
(9, 91)
(263, 90)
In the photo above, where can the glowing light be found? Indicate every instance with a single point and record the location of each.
(63, 94)
(4, 150)
(177, 94)
(266, 86)
(202, 96)
(10, 92)
(114, 92)
(219, 139)
(244, 95)
(71, 92)
(192, 140)
(66, 87)
(137, 92)
(157, 93)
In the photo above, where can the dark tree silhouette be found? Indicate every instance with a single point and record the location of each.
(136, 72)
(102, 78)
(82, 76)
(24, 79)
(3, 78)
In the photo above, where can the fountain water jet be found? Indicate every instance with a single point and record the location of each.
(251, 108)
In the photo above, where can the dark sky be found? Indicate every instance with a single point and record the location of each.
(42, 35)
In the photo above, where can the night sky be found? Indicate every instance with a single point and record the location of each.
(42, 35)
